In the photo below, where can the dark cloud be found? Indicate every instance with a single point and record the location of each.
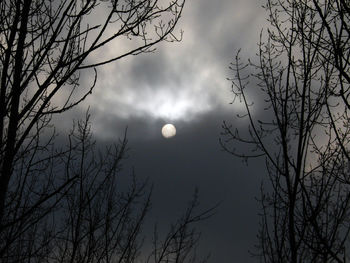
(194, 159)
(153, 72)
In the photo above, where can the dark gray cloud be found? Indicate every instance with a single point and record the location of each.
(192, 159)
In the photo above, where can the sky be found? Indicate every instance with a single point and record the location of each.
(186, 84)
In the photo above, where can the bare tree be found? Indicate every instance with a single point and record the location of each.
(66, 203)
(44, 45)
(301, 81)
(73, 205)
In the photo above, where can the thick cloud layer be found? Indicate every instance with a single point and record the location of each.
(185, 84)
(182, 80)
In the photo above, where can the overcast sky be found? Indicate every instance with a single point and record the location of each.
(185, 84)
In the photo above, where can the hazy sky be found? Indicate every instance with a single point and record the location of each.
(185, 84)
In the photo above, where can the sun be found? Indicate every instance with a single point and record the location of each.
(168, 131)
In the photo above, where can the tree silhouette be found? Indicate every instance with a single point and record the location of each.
(44, 47)
(301, 79)
(64, 203)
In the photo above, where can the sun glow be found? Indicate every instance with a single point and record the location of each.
(169, 103)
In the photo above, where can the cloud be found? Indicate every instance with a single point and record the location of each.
(185, 83)
(180, 81)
